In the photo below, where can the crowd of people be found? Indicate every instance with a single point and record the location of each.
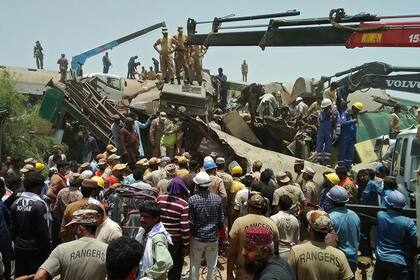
(131, 220)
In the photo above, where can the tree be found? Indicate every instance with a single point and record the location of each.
(19, 138)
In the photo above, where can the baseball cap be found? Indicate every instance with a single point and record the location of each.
(114, 157)
(319, 221)
(27, 168)
(154, 161)
(142, 162)
(308, 171)
(119, 167)
(84, 217)
(182, 159)
(110, 148)
(256, 200)
(170, 169)
(282, 177)
(89, 183)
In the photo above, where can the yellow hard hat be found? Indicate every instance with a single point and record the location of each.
(358, 105)
(333, 178)
(236, 170)
(39, 166)
(99, 180)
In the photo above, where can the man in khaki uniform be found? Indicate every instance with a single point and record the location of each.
(196, 54)
(310, 188)
(63, 66)
(244, 69)
(80, 259)
(151, 74)
(167, 47)
(315, 259)
(157, 126)
(330, 92)
(180, 56)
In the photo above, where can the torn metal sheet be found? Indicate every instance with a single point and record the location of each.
(276, 161)
(237, 127)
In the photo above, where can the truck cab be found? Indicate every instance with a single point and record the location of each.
(406, 161)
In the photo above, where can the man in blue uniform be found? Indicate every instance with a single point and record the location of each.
(348, 123)
(394, 234)
(327, 119)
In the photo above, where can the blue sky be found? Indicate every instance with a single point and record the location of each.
(74, 26)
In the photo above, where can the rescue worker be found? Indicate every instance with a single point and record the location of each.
(143, 73)
(310, 188)
(330, 92)
(129, 142)
(151, 74)
(394, 124)
(180, 56)
(196, 54)
(345, 223)
(167, 47)
(348, 123)
(106, 63)
(131, 67)
(155, 65)
(63, 66)
(38, 55)
(244, 70)
(394, 234)
(327, 119)
(300, 109)
(223, 88)
(268, 105)
(157, 126)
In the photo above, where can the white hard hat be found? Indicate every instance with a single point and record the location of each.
(202, 179)
(87, 174)
(326, 102)
(299, 99)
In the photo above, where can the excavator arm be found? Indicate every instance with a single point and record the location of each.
(375, 75)
(339, 29)
(77, 61)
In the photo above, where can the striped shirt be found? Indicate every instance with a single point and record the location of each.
(174, 216)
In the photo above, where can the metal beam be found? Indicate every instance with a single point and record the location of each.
(288, 37)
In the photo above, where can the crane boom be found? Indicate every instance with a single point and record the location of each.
(361, 30)
(79, 60)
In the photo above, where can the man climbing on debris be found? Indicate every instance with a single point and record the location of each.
(39, 55)
(106, 63)
(348, 123)
(268, 105)
(330, 92)
(167, 47)
(180, 56)
(327, 119)
(63, 66)
(131, 67)
(300, 109)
